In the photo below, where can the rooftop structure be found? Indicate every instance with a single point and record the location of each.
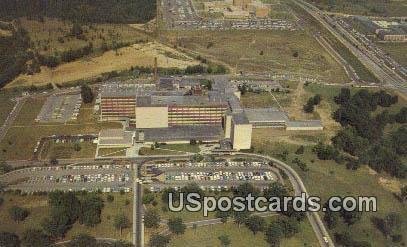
(115, 138)
(266, 117)
(304, 125)
(179, 134)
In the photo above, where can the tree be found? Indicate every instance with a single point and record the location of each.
(9, 239)
(176, 226)
(56, 225)
(4, 167)
(255, 223)
(403, 192)
(87, 94)
(240, 217)
(110, 198)
(35, 238)
(148, 198)
(224, 240)
(76, 30)
(222, 215)
(401, 117)
(157, 240)
(273, 235)
(90, 210)
(120, 222)
(300, 150)
(151, 219)
(351, 217)
(390, 224)
(308, 108)
(275, 189)
(245, 189)
(82, 240)
(317, 99)
(289, 226)
(330, 217)
(77, 147)
(295, 54)
(18, 213)
(325, 152)
(343, 97)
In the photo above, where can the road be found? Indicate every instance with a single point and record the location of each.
(137, 210)
(12, 117)
(299, 187)
(385, 75)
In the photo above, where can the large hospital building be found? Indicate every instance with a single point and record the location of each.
(177, 110)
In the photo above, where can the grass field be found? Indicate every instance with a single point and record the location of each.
(396, 50)
(67, 150)
(258, 100)
(182, 147)
(242, 51)
(135, 55)
(39, 209)
(157, 151)
(208, 236)
(109, 152)
(6, 105)
(368, 7)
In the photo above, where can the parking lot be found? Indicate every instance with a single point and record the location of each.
(105, 177)
(213, 176)
(181, 15)
(60, 108)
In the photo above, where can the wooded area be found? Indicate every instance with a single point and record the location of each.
(99, 11)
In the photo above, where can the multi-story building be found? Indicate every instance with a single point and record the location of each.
(117, 102)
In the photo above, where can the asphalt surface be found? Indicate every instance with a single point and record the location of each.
(385, 75)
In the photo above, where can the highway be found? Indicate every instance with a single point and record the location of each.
(385, 74)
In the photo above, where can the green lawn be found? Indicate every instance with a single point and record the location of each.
(109, 152)
(240, 237)
(396, 50)
(67, 150)
(182, 147)
(265, 99)
(6, 105)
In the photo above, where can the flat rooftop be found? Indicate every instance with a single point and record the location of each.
(240, 118)
(265, 115)
(305, 123)
(178, 133)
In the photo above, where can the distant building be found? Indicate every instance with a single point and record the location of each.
(398, 34)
